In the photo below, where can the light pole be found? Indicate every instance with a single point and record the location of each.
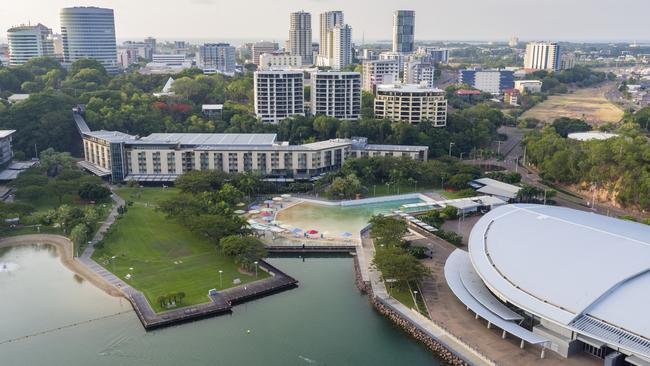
(255, 269)
(374, 190)
(461, 156)
(442, 179)
(113, 263)
(498, 147)
(450, 145)
(220, 279)
(388, 185)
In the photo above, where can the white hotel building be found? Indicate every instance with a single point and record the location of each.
(279, 94)
(336, 94)
(162, 157)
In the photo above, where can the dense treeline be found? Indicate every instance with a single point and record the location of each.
(619, 165)
(125, 102)
(580, 76)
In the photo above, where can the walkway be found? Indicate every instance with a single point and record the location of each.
(435, 331)
(445, 309)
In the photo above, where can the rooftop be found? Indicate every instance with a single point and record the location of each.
(110, 136)
(494, 187)
(407, 88)
(242, 139)
(591, 135)
(6, 133)
(567, 266)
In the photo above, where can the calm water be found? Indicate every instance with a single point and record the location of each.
(336, 219)
(323, 322)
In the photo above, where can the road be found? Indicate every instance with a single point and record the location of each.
(513, 157)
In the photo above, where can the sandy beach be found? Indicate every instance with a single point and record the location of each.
(64, 248)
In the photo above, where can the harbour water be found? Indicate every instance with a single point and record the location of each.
(325, 321)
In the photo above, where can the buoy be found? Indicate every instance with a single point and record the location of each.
(248, 331)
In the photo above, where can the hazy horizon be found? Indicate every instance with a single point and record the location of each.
(473, 20)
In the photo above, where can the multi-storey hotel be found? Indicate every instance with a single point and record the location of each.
(162, 157)
(29, 41)
(412, 104)
(336, 94)
(278, 94)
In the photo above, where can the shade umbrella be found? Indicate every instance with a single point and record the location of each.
(285, 226)
(268, 202)
(347, 234)
(255, 207)
(267, 209)
(286, 195)
(312, 232)
(254, 212)
(276, 222)
(296, 230)
(277, 199)
(267, 218)
(240, 212)
(241, 204)
(266, 214)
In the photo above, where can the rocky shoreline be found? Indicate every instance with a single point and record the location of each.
(432, 344)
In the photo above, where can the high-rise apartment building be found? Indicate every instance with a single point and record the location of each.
(29, 41)
(418, 71)
(217, 57)
(341, 47)
(513, 42)
(379, 72)
(412, 104)
(300, 36)
(328, 21)
(403, 31)
(260, 48)
(278, 94)
(336, 94)
(542, 56)
(89, 32)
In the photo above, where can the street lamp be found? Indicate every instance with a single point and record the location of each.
(220, 279)
(388, 185)
(450, 145)
(113, 262)
(255, 269)
(461, 156)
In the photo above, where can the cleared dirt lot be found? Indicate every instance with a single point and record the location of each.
(589, 104)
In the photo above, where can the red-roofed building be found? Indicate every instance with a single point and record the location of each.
(468, 92)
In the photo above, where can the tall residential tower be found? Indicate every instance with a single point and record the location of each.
(328, 21)
(403, 31)
(300, 36)
(542, 56)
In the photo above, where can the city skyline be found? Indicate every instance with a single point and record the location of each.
(214, 20)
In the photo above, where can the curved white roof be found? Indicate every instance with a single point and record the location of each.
(564, 265)
(591, 135)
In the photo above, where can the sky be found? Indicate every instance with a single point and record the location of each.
(495, 20)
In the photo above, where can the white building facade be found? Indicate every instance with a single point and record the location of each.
(336, 94)
(260, 48)
(270, 61)
(542, 56)
(341, 47)
(419, 72)
(279, 94)
(378, 72)
(27, 42)
(89, 32)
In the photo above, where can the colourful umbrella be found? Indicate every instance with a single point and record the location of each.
(347, 234)
(312, 232)
(266, 214)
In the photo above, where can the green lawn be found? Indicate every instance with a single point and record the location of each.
(146, 195)
(30, 230)
(450, 195)
(403, 294)
(166, 258)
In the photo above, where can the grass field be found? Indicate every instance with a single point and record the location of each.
(166, 258)
(589, 104)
